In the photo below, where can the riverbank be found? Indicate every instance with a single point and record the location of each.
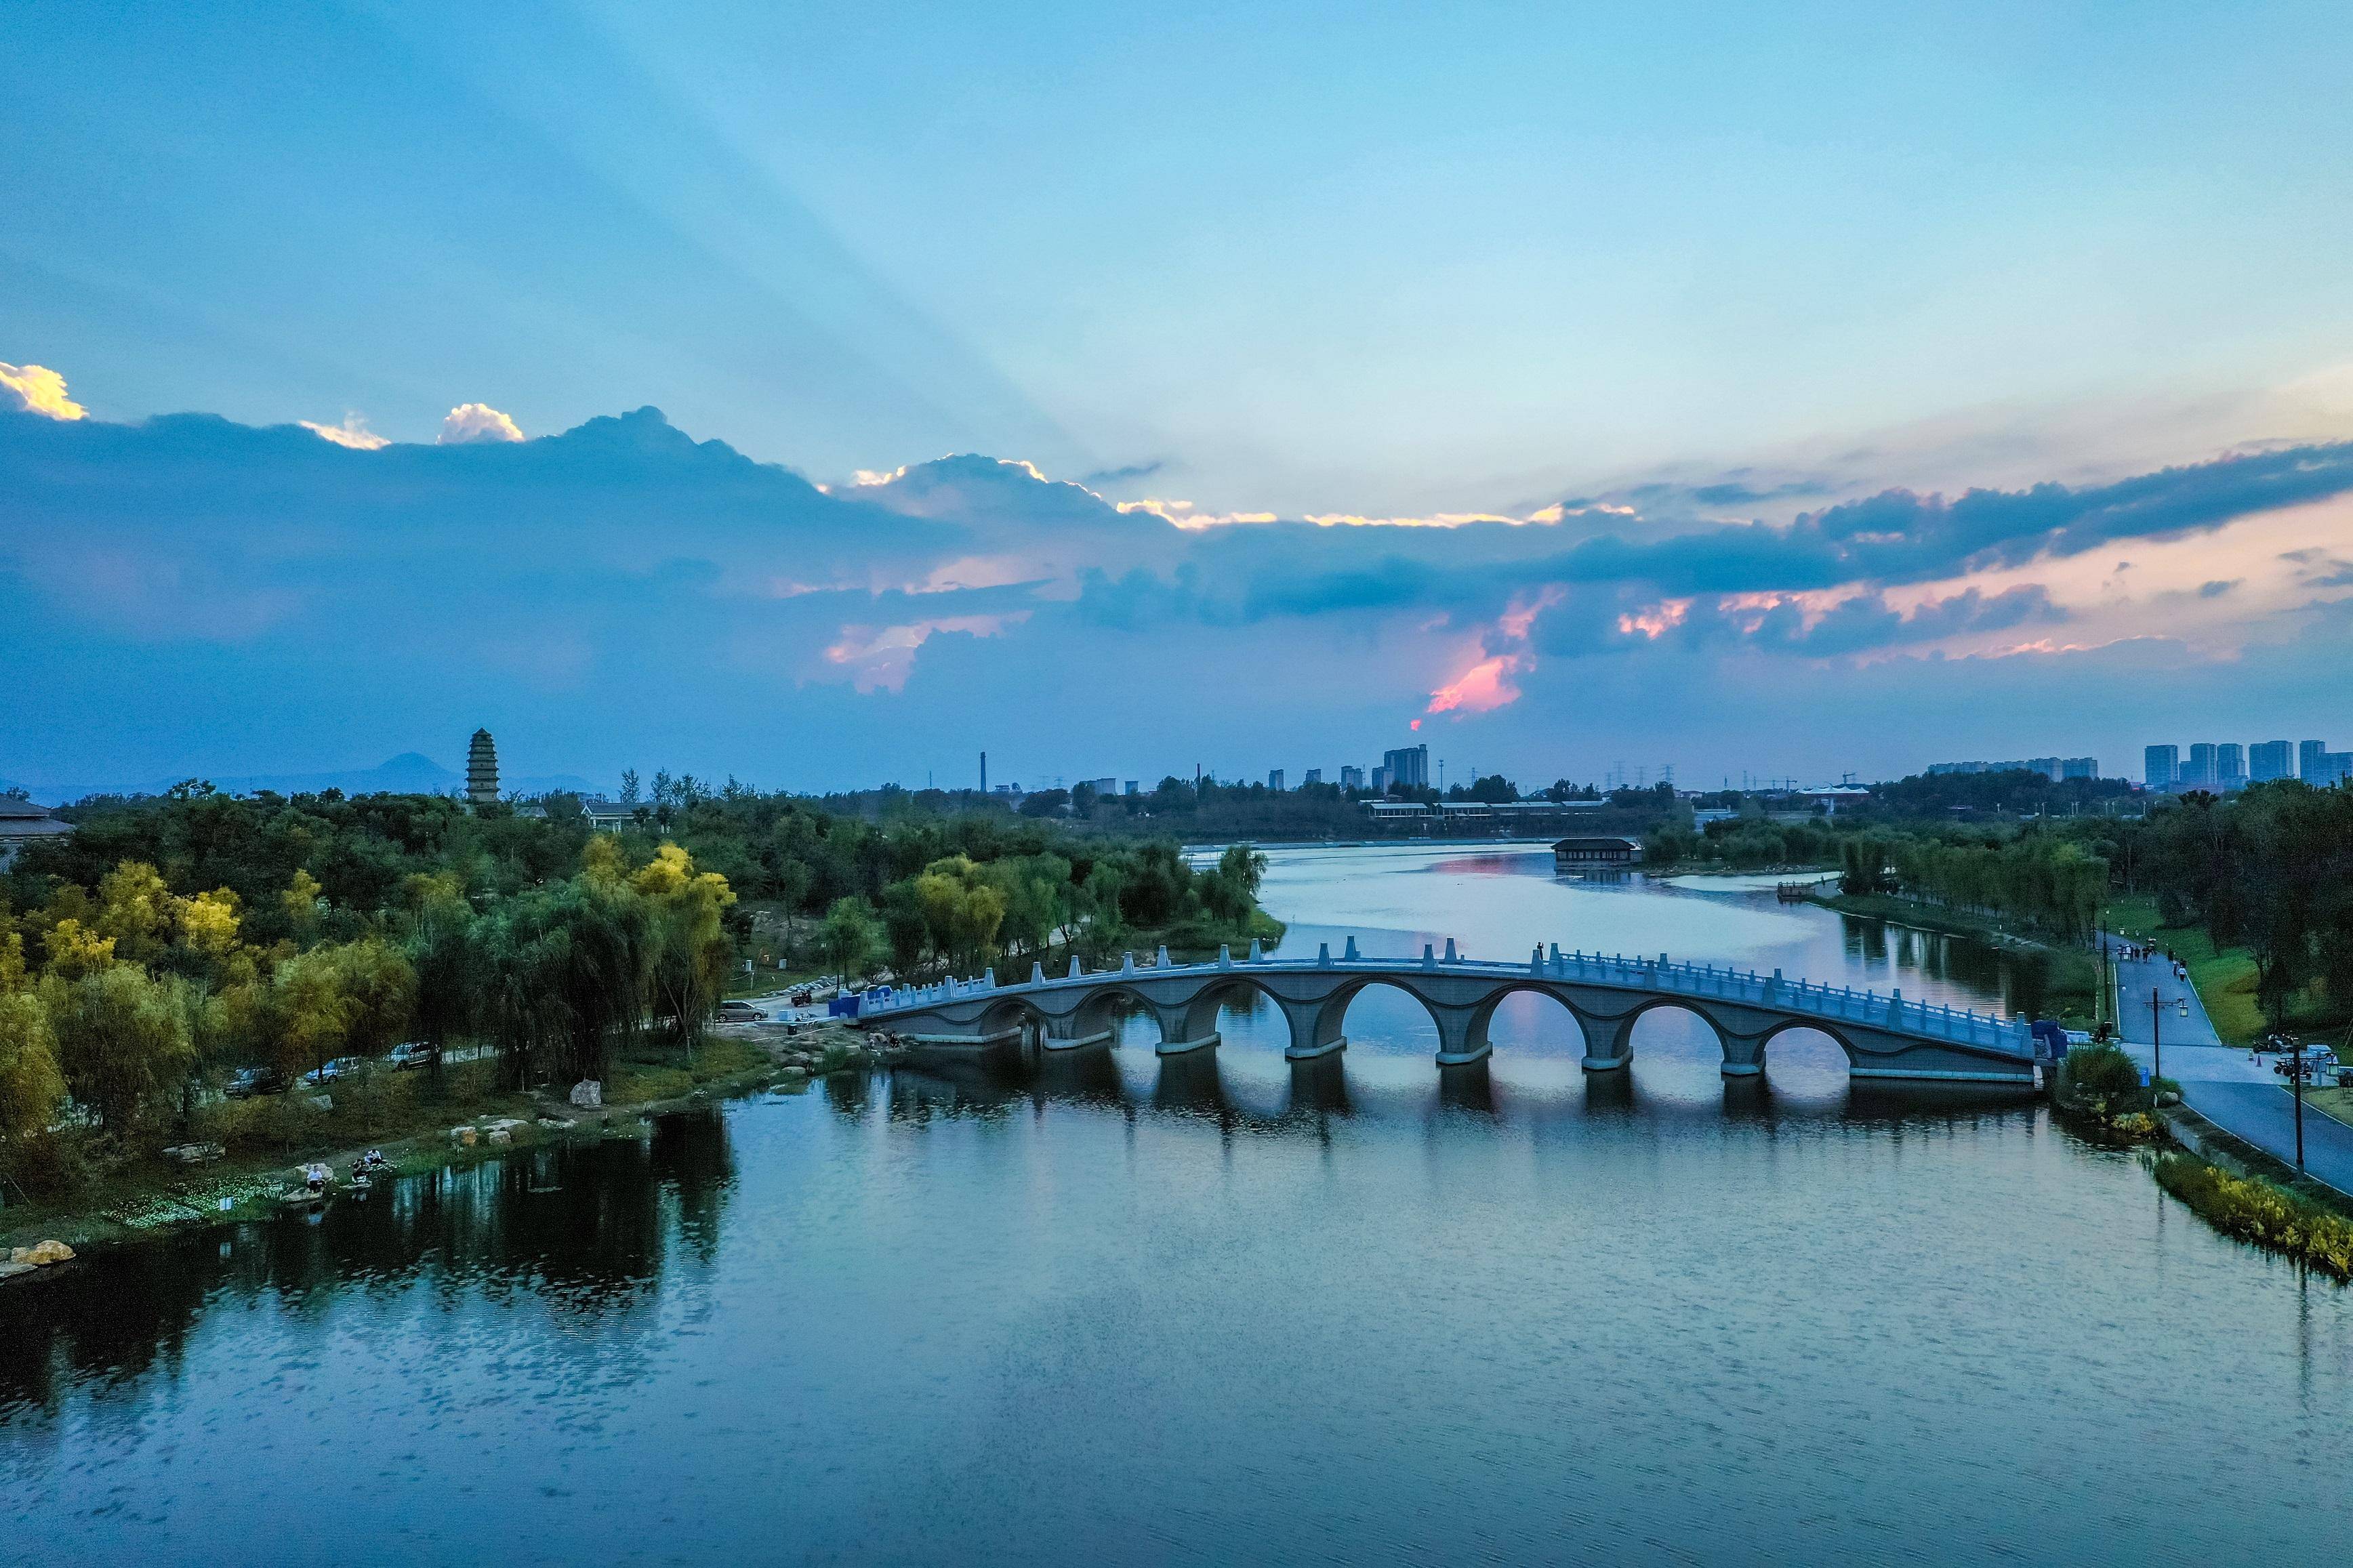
(156, 1196)
(2071, 993)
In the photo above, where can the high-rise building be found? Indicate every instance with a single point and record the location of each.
(1135, 786)
(1408, 767)
(1274, 780)
(2230, 766)
(1381, 781)
(1314, 776)
(2079, 767)
(482, 770)
(2269, 760)
(1105, 787)
(2161, 766)
(1352, 778)
(2198, 768)
(2308, 761)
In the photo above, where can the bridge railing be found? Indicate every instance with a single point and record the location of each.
(1662, 976)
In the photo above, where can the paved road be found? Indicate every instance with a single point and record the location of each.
(2228, 1086)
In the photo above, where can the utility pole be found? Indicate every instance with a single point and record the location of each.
(984, 772)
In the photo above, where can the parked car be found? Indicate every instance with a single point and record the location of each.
(247, 1082)
(338, 1067)
(741, 1013)
(413, 1054)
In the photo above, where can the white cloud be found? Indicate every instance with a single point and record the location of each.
(37, 389)
(352, 433)
(471, 422)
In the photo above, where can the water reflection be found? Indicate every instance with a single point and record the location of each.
(585, 1227)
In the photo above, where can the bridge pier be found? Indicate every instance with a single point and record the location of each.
(1054, 1041)
(1744, 1054)
(1461, 1035)
(1609, 1042)
(1314, 1027)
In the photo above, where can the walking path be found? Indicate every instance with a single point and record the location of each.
(2228, 1086)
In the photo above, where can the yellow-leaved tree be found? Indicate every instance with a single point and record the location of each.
(691, 948)
(300, 902)
(963, 910)
(76, 950)
(208, 923)
(136, 910)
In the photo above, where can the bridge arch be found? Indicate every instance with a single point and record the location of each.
(1200, 1011)
(1010, 1016)
(1107, 1006)
(1734, 1051)
(1329, 1028)
(1479, 1032)
(1823, 1028)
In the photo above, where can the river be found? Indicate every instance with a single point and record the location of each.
(1108, 1308)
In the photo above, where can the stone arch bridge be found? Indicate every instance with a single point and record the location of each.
(1883, 1037)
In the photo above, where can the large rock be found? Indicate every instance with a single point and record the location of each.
(41, 1254)
(588, 1094)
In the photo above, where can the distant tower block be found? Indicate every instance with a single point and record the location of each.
(482, 770)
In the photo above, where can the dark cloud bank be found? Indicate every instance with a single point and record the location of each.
(621, 588)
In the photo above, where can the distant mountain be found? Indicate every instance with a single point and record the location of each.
(411, 773)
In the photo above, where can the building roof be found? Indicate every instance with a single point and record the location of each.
(31, 824)
(1597, 841)
(14, 807)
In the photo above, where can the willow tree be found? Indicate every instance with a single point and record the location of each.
(687, 912)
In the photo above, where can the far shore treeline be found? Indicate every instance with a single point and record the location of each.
(171, 940)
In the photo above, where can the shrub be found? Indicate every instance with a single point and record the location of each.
(2260, 1212)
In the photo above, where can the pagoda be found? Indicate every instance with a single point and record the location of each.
(482, 770)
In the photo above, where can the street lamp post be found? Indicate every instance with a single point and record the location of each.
(2296, 1082)
(2156, 1005)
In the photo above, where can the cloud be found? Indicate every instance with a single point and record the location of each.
(630, 577)
(881, 657)
(1121, 475)
(474, 422)
(2217, 588)
(352, 433)
(37, 389)
(1482, 689)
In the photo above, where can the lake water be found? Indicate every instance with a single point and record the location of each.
(1107, 1307)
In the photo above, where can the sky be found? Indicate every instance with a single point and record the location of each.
(822, 394)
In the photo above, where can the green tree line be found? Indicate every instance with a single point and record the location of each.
(170, 940)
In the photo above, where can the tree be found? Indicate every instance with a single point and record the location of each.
(962, 911)
(692, 950)
(31, 1088)
(300, 902)
(121, 1042)
(852, 937)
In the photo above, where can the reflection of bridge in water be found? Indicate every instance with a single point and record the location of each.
(1883, 1037)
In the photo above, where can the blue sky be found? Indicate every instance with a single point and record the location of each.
(1648, 273)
